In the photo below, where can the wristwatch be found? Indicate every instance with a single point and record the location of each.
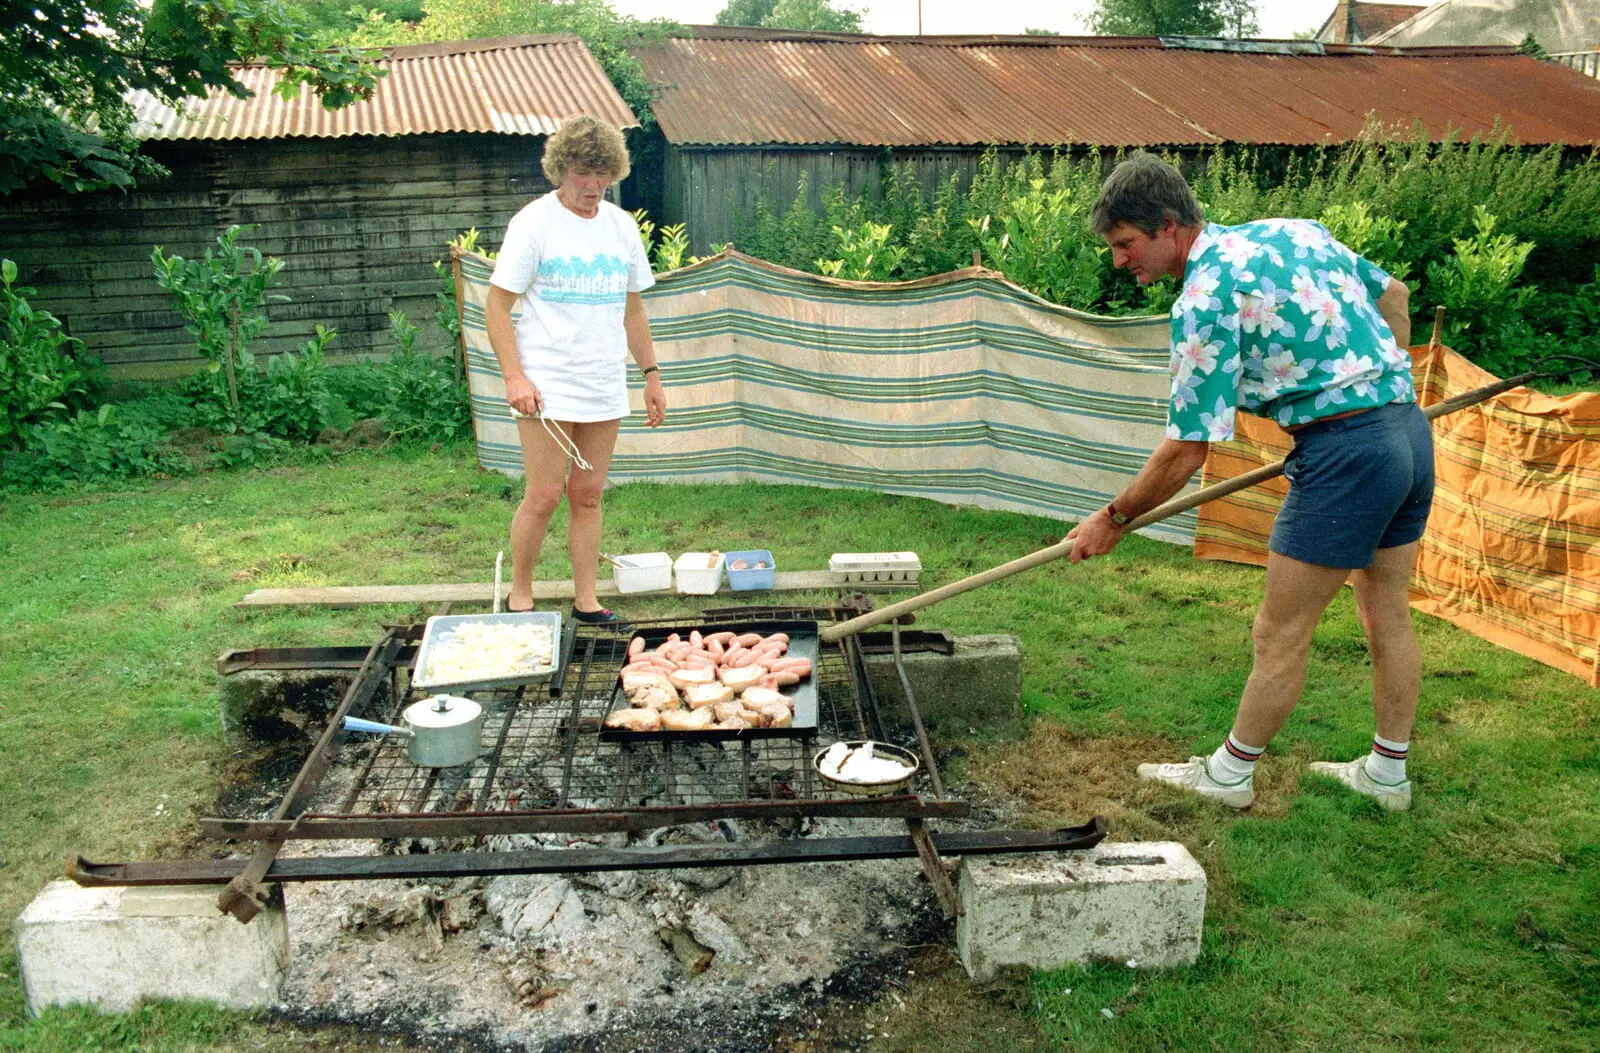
(1116, 516)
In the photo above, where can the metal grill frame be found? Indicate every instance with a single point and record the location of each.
(544, 769)
(847, 707)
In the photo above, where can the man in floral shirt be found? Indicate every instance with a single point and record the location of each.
(1279, 319)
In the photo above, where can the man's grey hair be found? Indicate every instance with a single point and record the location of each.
(1144, 190)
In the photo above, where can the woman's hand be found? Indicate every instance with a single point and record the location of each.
(655, 401)
(523, 396)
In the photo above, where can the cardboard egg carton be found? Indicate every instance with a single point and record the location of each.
(847, 567)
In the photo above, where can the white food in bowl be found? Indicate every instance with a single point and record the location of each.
(860, 766)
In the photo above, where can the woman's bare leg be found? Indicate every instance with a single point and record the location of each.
(595, 440)
(544, 467)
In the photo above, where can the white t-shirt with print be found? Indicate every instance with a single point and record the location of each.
(572, 277)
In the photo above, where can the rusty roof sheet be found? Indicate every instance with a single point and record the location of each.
(728, 86)
(512, 85)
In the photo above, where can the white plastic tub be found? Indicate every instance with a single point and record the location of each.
(698, 573)
(645, 572)
(846, 567)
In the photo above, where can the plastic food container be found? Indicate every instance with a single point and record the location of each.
(699, 573)
(846, 567)
(753, 576)
(646, 572)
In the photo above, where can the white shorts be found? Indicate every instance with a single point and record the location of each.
(581, 398)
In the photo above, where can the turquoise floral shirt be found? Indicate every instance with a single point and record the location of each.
(1278, 319)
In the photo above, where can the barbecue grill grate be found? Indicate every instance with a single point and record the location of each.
(541, 750)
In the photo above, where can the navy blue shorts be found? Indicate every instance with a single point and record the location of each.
(1356, 485)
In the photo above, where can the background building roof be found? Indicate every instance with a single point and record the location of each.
(1558, 25)
(513, 85)
(729, 86)
(1352, 22)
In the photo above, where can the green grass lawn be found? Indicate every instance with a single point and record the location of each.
(1470, 923)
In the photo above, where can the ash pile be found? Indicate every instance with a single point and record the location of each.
(702, 959)
(713, 958)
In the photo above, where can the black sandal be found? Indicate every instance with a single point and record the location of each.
(603, 616)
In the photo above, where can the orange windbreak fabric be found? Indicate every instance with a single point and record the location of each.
(1512, 552)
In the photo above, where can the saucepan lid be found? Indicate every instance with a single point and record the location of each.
(442, 711)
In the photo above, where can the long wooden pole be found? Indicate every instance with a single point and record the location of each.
(1155, 515)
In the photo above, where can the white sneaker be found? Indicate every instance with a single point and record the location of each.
(1195, 776)
(1396, 798)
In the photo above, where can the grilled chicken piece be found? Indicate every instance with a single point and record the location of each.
(698, 675)
(635, 720)
(757, 697)
(776, 715)
(741, 677)
(701, 695)
(687, 720)
(660, 697)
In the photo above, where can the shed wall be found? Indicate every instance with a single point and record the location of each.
(358, 222)
(714, 191)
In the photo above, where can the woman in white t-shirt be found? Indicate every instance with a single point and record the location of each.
(564, 312)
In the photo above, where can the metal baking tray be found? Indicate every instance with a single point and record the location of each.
(803, 643)
(440, 627)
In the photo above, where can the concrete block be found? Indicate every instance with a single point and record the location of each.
(110, 947)
(977, 686)
(1138, 901)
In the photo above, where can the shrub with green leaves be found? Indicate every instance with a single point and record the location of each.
(864, 254)
(424, 401)
(89, 447)
(222, 297)
(1042, 242)
(1484, 306)
(1403, 201)
(1378, 238)
(293, 399)
(39, 373)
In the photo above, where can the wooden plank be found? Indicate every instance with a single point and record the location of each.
(357, 595)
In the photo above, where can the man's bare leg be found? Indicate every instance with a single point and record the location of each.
(1383, 604)
(1296, 595)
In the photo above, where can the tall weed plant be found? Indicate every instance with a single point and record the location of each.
(222, 296)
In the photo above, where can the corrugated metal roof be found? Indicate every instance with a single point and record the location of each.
(513, 85)
(729, 86)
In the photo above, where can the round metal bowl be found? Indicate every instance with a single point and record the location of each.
(871, 789)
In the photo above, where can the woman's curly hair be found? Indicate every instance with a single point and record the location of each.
(585, 143)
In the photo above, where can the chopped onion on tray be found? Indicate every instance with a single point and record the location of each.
(488, 651)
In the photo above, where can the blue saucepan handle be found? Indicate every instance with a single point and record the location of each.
(357, 724)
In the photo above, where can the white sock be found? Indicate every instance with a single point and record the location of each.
(1234, 761)
(1387, 761)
